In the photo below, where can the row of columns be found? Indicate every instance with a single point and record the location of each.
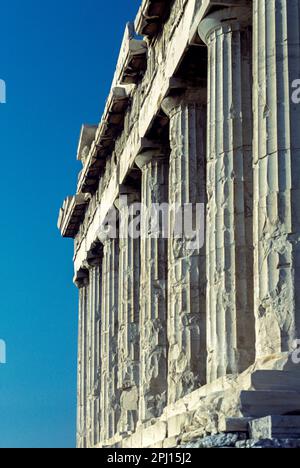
(253, 229)
(172, 318)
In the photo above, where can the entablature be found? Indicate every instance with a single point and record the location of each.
(151, 17)
(135, 62)
(87, 136)
(108, 130)
(132, 109)
(72, 214)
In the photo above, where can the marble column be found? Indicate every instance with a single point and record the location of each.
(82, 282)
(110, 404)
(276, 28)
(231, 342)
(94, 372)
(186, 274)
(89, 352)
(129, 316)
(154, 165)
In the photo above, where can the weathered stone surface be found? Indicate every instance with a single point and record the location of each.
(262, 403)
(235, 425)
(128, 347)
(82, 364)
(274, 380)
(154, 277)
(167, 354)
(221, 441)
(86, 139)
(170, 442)
(217, 441)
(110, 402)
(275, 427)
(231, 346)
(178, 423)
(93, 377)
(276, 154)
(187, 274)
(154, 434)
(72, 214)
(269, 444)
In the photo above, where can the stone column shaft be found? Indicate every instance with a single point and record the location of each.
(154, 280)
(186, 276)
(82, 364)
(276, 174)
(88, 422)
(95, 364)
(129, 315)
(110, 408)
(229, 239)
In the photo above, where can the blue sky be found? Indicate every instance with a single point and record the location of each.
(57, 59)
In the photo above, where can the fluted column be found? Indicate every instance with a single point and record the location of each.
(82, 282)
(229, 238)
(129, 317)
(94, 370)
(110, 404)
(186, 275)
(276, 174)
(154, 279)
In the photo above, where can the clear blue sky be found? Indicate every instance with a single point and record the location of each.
(57, 58)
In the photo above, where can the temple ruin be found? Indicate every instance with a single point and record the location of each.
(175, 344)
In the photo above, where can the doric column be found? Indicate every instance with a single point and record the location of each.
(110, 405)
(276, 27)
(154, 278)
(82, 282)
(88, 422)
(129, 317)
(186, 276)
(229, 238)
(94, 343)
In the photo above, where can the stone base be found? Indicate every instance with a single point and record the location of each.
(275, 427)
(230, 405)
(236, 441)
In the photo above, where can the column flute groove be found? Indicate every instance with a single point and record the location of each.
(82, 282)
(230, 326)
(277, 175)
(110, 401)
(154, 165)
(95, 258)
(129, 314)
(186, 274)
